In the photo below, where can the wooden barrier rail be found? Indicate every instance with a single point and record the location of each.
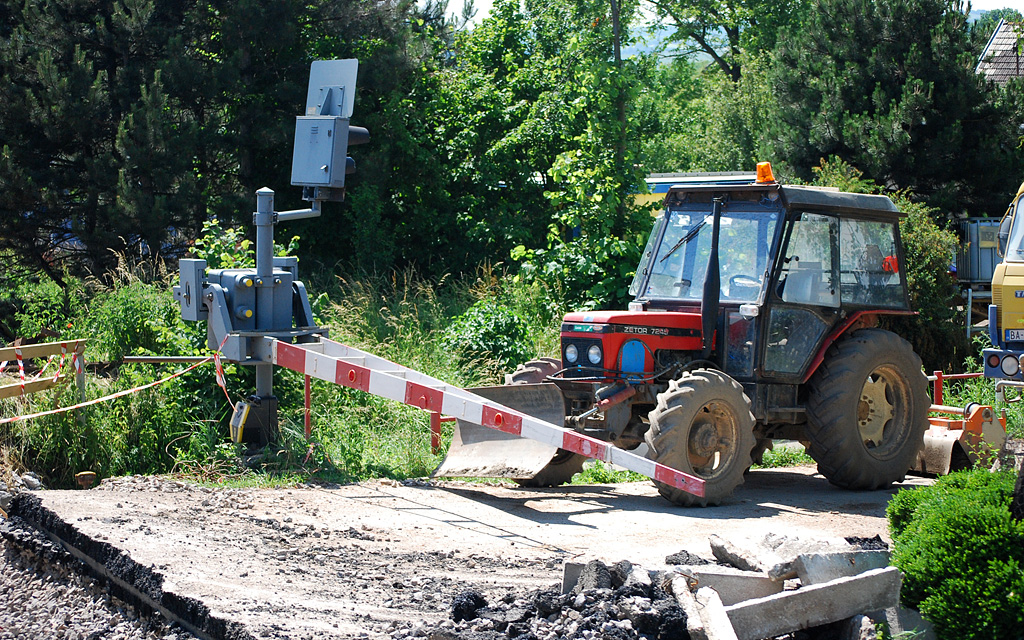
(73, 348)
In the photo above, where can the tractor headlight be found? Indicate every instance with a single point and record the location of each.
(594, 354)
(572, 354)
(1009, 366)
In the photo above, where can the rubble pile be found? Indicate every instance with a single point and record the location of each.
(774, 587)
(617, 602)
(12, 483)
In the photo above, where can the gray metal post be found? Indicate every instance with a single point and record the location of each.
(263, 219)
(262, 428)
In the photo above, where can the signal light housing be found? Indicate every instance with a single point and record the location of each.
(764, 173)
(1009, 366)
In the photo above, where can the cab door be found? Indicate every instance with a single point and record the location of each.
(804, 296)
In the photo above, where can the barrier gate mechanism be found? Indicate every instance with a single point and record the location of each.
(262, 317)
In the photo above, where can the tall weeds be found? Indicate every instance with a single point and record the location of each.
(182, 424)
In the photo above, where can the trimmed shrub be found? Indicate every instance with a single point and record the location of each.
(962, 555)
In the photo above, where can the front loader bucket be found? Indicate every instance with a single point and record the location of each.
(478, 451)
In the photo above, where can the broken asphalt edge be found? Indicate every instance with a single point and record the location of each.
(129, 580)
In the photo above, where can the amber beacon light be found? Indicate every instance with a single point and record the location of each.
(764, 173)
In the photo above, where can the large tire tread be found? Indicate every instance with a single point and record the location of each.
(672, 420)
(534, 371)
(836, 443)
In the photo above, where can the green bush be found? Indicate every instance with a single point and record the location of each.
(30, 304)
(490, 330)
(962, 555)
(139, 317)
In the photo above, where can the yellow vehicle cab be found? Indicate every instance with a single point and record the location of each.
(1006, 313)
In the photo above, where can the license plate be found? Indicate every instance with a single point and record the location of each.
(1015, 335)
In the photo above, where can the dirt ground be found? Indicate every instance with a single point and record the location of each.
(364, 560)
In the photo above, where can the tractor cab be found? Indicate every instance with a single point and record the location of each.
(1006, 313)
(790, 268)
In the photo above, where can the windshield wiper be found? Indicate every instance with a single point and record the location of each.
(689, 236)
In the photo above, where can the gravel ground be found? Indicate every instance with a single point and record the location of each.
(391, 561)
(43, 595)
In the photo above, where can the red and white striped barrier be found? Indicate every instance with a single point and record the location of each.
(41, 380)
(335, 362)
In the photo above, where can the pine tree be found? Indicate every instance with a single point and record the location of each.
(889, 86)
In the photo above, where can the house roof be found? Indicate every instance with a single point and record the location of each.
(1002, 60)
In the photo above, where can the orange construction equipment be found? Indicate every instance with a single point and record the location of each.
(974, 437)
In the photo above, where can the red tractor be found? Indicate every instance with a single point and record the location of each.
(755, 318)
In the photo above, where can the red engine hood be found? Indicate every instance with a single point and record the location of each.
(665, 319)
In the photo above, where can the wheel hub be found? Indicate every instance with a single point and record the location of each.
(874, 410)
(704, 440)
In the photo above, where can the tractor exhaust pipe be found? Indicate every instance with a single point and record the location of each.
(712, 286)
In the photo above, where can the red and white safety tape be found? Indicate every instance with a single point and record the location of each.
(23, 379)
(119, 394)
(21, 367)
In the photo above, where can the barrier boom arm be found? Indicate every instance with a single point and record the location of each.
(350, 367)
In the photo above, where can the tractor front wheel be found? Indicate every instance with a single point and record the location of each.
(702, 426)
(867, 410)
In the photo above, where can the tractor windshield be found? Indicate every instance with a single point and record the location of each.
(674, 267)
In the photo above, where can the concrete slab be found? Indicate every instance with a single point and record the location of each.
(906, 623)
(743, 553)
(688, 603)
(571, 575)
(713, 615)
(733, 585)
(816, 605)
(859, 627)
(773, 554)
(818, 568)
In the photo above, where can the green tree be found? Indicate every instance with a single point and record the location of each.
(595, 234)
(86, 159)
(724, 29)
(889, 87)
(126, 123)
(707, 122)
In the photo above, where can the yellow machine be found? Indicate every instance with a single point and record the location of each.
(1006, 313)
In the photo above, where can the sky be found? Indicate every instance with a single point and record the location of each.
(484, 6)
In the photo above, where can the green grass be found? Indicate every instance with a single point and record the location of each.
(784, 456)
(597, 472)
(181, 426)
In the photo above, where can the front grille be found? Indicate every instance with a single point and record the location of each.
(582, 367)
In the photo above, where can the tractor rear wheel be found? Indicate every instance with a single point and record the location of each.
(702, 426)
(565, 464)
(867, 410)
